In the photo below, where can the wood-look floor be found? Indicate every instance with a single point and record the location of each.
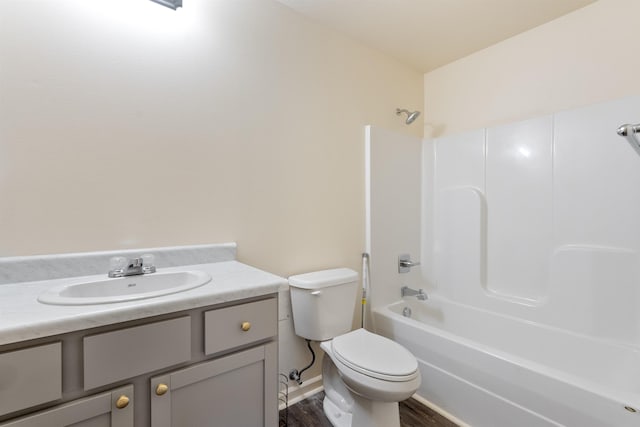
(309, 413)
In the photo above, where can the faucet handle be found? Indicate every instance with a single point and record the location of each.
(117, 265)
(147, 263)
(405, 263)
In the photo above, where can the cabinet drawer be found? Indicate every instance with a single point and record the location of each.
(30, 377)
(126, 353)
(223, 328)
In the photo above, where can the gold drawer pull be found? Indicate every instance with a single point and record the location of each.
(122, 402)
(161, 389)
(246, 326)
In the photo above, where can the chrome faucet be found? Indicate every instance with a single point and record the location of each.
(121, 266)
(408, 292)
(134, 267)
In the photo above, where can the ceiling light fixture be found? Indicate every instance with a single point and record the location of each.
(173, 4)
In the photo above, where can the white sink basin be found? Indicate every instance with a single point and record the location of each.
(123, 289)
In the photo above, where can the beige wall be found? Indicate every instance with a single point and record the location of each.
(125, 124)
(579, 59)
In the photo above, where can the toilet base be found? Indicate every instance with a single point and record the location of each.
(366, 413)
(336, 416)
(369, 413)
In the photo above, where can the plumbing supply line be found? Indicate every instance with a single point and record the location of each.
(297, 375)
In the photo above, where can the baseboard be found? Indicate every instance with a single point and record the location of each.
(440, 411)
(301, 392)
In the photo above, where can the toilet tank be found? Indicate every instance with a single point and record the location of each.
(323, 303)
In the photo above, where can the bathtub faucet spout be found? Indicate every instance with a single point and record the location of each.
(408, 292)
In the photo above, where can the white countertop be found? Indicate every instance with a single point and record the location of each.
(23, 318)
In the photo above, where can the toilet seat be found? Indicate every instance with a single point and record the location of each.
(375, 356)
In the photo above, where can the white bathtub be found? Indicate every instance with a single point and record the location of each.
(491, 370)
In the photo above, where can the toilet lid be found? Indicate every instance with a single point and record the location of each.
(375, 356)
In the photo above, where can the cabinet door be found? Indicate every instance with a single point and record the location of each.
(109, 409)
(235, 390)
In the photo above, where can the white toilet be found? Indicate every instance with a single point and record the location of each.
(365, 375)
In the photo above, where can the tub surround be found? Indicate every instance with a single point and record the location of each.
(538, 220)
(23, 318)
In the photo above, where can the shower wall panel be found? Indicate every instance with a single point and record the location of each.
(597, 177)
(518, 191)
(539, 220)
(459, 215)
(461, 246)
(460, 161)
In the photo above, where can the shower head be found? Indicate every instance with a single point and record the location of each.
(411, 115)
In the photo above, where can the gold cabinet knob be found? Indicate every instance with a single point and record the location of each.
(122, 402)
(162, 389)
(246, 326)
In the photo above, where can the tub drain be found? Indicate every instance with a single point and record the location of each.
(406, 312)
(630, 409)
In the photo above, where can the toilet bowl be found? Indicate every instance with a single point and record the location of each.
(364, 375)
(377, 373)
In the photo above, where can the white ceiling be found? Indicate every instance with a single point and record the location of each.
(427, 34)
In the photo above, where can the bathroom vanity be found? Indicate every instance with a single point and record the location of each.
(205, 356)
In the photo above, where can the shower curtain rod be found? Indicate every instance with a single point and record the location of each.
(629, 132)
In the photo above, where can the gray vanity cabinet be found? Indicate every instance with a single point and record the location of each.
(231, 391)
(110, 409)
(211, 366)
